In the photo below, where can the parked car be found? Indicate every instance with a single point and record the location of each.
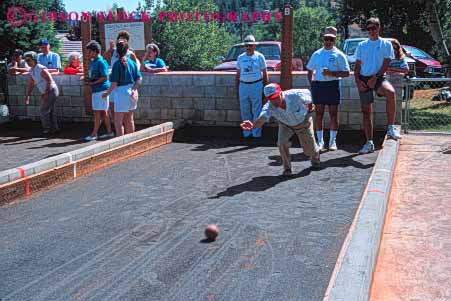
(350, 45)
(426, 65)
(270, 49)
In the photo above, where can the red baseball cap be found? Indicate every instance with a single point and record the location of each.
(272, 91)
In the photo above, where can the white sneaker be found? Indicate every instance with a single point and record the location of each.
(367, 148)
(393, 133)
(320, 146)
(333, 146)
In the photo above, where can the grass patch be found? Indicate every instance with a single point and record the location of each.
(428, 115)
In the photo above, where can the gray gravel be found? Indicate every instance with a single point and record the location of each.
(134, 231)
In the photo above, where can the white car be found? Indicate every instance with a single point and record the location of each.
(350, 45)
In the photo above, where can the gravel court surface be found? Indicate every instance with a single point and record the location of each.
(22, 142)
(134, 231)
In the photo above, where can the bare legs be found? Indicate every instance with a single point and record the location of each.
(367, 110)
(124, 123)
(99, 117)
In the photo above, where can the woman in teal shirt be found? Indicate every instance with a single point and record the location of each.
(99, 83)
(125, 78)
(151, 62)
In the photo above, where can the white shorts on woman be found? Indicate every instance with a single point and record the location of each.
(123, 101)
(98, 102)
(112, 96)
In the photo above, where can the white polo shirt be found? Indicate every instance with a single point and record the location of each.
(332, 59)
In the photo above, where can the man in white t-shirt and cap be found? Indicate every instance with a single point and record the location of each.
(325, 68)
(251, 76)
(292, 108)
(373, 58)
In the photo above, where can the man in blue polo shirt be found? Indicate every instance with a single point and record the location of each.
(47, 58)
(251, 76)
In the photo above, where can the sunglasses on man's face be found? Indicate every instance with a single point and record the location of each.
(371, 28)
(248, 46)
(28, 61)
(328, 39)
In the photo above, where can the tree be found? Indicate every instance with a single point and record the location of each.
(309, 22)
(190, 45)
(26, 36)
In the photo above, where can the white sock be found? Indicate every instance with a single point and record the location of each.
(319, 135)
(370, 141)
(333, 136)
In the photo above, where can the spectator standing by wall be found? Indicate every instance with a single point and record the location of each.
(251, 76)
(399, 64)
(325, 68)
(112, 56)
(74, 65)
(151, 61)
(373, 58)
(41, 77)
(99, 83)
(18, 64)
(126, 78)
(47, 58)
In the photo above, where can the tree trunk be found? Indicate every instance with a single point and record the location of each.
(435, 28)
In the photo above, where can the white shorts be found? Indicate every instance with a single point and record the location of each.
(123, 101)
(99, 103)
(112, 96)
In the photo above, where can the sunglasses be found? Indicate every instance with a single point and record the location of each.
(28, 61)
(248, 46)
(329, 39)
(371, 28)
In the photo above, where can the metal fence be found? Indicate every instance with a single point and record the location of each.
(427, 105)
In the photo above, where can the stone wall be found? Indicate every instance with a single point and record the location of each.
(201, 98)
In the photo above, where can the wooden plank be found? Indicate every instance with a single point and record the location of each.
(287, 48)
(85, 39)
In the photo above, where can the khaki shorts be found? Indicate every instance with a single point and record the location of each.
(367, 97)
(305, 133)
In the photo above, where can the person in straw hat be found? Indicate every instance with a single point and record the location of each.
(251, 76)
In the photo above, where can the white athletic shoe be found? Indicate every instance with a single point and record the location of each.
(320, 146)
(367, 148)
(333, 146)
(393, 133)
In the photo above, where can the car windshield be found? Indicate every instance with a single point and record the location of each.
(270, 52)
(352, 45)
(417, 53)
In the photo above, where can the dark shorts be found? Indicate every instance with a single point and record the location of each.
(367, 97)
(326, 93)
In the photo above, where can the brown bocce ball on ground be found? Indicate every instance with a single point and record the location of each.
(211, 232)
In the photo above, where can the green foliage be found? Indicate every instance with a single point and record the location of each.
(309, 22)
(190, 45)
(27, 36)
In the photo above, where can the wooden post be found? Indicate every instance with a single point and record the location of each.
(85, 39)
(287, 47)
